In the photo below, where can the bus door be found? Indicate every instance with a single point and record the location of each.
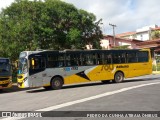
(36, 70)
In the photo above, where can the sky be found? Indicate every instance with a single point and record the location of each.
(127, 15)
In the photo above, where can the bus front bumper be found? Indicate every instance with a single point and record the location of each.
(5, 85)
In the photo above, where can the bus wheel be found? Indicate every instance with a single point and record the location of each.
(118, 77)
(56, 83)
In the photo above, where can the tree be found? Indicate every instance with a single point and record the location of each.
(121, 47)
(155, 34)
(17, 28)
(49, 24)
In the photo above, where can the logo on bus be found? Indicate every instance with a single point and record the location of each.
(107, 67)
(71, 68)
(122, 66)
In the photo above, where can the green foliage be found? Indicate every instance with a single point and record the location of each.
(155, 35)
(156, 68)
(121, 47)
(49, 24)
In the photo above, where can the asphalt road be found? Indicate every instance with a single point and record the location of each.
(136, 94)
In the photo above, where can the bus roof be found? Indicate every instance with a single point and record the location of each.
(4, 58)
(82, 51)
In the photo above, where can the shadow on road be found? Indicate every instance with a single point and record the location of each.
(14, 88)
(94, 84)
(140, 79)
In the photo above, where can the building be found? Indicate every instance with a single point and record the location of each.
(152, 44)
(108, 42)
(143, 34)
(141, 38)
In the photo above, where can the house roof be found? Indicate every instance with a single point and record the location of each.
(149, 42)
(158, 28)
(125, 34)
(155, 44)
(134, 32)
(122, 39)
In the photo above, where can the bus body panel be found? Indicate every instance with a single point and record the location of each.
(139, 69)
(78, 73)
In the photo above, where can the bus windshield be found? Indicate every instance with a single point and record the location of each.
(22, 65)
(4, 68)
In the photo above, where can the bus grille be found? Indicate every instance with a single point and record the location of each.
(2, 79)
(4, 85)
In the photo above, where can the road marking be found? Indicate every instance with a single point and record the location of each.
(94, 97)
(86, 99)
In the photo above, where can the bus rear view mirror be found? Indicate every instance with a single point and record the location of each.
(33, 62)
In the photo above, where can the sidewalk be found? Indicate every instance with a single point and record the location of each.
(155, 72)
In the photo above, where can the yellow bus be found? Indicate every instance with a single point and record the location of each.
(5, 73)
(53, 69)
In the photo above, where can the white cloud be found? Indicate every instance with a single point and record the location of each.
(5, 3)
(128, 15)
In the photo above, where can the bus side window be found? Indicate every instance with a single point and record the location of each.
(87, 59)
(79, 62)
(131, 57)
(61, 60)
(123, 58)
(68, 60)
(42, 63)
(142, 56)
(107, 58)
(83, 59)
(116, 58)
(99, 58)
(33, 63)
(52, 61)
(74, 60)
(60, 63)
(37, 63)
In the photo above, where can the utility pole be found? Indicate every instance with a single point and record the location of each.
(149, 33)
(113, 33)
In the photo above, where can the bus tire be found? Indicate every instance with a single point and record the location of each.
(118, 77)
(56, 83)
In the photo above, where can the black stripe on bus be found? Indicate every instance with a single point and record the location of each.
(83, 75)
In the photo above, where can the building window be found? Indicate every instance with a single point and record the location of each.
(141, 37)
(120, 43)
